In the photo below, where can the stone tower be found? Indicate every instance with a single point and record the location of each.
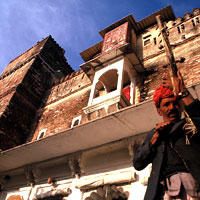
(23, 84)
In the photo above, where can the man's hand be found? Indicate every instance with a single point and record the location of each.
(160, 130)
(178, 86)
(178, 82)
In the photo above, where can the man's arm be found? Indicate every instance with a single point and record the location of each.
(144, 154)
(147, 151)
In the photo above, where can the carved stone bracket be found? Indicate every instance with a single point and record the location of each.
(32, 174)
(81, 164)
(3, 180)
(76, 165)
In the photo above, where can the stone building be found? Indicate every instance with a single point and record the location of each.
(72, 135)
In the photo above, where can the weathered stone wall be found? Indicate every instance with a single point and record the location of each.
(9, 84)
(68, 85)
(21, 59)
(184, 37)
(65, 101)
(12, 127)
(180, 31)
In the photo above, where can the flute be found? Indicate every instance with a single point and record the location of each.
(189, 126)
(167, 46)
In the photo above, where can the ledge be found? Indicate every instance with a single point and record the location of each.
(125, 123)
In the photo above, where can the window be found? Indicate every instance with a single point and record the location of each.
(107, 83)
(193, 23)
(182, 26)
(126, 90)
(178, 28)
(183, 36)
(155, 42)
(100, 89)
(145, 37)
(146, 42)
(41, 133)
(76, 121)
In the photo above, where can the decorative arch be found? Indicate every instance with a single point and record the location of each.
(106, 83)
(76, 121)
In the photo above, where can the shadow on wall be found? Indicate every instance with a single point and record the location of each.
(109, 192)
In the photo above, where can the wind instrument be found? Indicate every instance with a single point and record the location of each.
(189, 126)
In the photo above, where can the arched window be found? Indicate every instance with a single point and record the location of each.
(76, 121)
(107, 83)
(41, 133)
(100, 89)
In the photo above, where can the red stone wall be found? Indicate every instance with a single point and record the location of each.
(149, 42)
(154, 58)
(68, 85)
(64, 103)
(10, 82)
(21, 58)
(190, 68)
(57, 118)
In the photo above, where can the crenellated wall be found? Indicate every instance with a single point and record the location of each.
(184, 37)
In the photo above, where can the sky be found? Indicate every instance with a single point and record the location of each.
(74, 24)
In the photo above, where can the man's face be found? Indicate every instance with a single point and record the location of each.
(169, 109)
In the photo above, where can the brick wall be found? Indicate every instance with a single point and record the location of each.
(154, 58)
(149, 46)
(65, 102)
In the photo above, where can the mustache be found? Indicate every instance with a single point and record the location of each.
(174, 112)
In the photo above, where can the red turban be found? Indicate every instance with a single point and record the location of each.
(161, 93)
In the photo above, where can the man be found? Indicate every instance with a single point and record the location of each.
(171, 148)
